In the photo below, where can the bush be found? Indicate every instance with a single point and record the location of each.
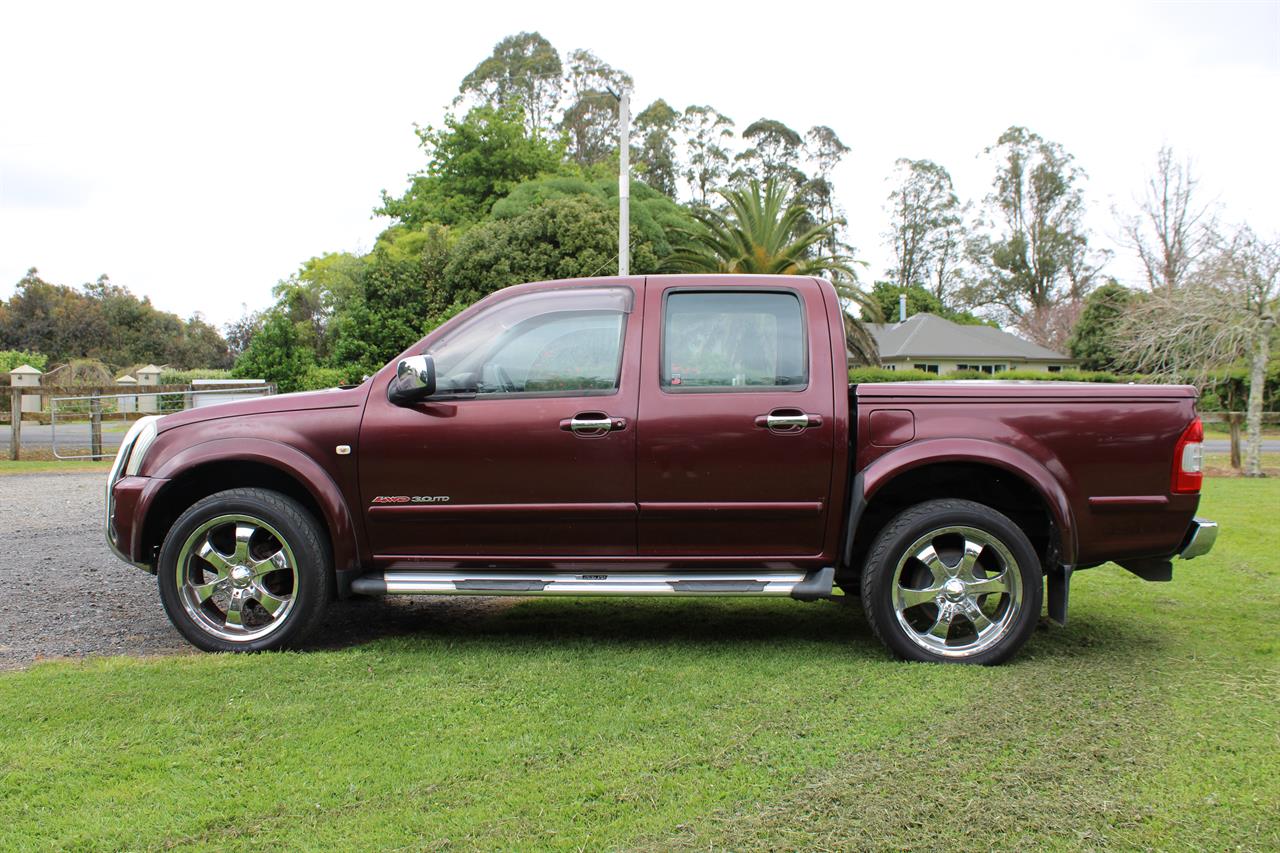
(860, 375)
(1063, 376)
(185, 377)
(11, 358)
(881, 374)
(319, 378)
(1228, 390)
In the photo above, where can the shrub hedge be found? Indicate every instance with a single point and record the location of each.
(1226, 390)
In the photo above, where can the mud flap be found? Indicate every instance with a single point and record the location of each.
(1153, 569)
(1058, 582)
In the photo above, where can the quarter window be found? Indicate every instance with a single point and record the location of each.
(733, 341)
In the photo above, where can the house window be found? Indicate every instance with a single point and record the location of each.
(927, 368)
(1055, 368)
(983, 368)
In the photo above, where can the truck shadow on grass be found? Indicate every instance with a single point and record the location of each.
(647, 623)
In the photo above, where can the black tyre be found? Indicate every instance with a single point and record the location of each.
(952, 581)
(245, 570)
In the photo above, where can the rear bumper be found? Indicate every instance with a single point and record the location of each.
(1200, 538)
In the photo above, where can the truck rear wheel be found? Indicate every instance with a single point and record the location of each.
(245, 570)
(952, 580)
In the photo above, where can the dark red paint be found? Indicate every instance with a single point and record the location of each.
(684, 479)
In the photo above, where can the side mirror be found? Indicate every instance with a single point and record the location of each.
(415, 380)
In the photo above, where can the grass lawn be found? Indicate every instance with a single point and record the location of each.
(1222, 433)
(44, 466)
(1151, 721)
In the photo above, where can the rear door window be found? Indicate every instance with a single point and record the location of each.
(733, 341)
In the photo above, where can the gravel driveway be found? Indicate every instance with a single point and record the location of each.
(64, 594)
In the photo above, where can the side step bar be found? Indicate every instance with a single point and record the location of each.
(806, 587)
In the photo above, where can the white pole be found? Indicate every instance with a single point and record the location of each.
(624, 184)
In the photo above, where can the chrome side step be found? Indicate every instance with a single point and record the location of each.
(806, 587)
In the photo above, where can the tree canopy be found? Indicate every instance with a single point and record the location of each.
(104, 321)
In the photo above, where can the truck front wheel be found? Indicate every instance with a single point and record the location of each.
(245, 570)
(952, 580)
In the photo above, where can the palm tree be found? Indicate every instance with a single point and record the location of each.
(765, 230)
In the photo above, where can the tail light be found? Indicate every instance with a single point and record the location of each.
(1188, 460)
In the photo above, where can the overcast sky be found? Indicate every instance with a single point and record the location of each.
(198, 154)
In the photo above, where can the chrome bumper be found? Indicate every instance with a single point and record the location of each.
(1200, 538)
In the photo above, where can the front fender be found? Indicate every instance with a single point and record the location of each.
(1016, 462)
(343, 534)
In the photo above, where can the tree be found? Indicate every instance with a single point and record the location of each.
(240, 333)
(774, 155)
(564, 237)
(656, 127)
(762, 230)
(390, 310)
(523, 74)
(825, 150)
(277, 354)
(706, 133)
(919, 301)
(591, 119)
(105, 322)
(659, 220)
(1092, 340)
(474, 161)
(1036, 206)
(197, 345)
(925, 227)
(1172, 229)
(1224, 313)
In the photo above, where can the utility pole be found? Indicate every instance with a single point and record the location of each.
(624, 183)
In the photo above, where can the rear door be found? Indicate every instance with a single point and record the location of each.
(528, 447)
(736, 409)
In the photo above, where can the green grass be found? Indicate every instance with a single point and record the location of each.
(1151, 721)
(45, 466)
(1221, 433)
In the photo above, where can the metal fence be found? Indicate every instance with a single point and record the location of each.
(89, 423)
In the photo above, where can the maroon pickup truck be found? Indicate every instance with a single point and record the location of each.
(669, 435)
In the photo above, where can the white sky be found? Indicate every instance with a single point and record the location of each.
(198, 154)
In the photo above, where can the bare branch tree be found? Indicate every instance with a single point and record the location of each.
(1224, 313)
(1171, 230)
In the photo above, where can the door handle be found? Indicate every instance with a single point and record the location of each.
(788, 421)
(592, 424)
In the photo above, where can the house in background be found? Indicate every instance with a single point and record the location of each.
(929, 343)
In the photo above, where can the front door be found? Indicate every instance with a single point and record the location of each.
(528, 447)
(736, 409)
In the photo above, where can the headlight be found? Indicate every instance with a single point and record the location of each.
(133, 450)
(141, 445)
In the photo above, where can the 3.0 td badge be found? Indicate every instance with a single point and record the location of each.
(414, 499)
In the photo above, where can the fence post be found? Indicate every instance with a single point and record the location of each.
(15, 423)
(95, 428)
(1233, 420)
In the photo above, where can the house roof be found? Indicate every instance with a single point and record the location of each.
(930, 336)
(26, 370)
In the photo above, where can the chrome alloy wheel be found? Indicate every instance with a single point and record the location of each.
(957, 591)
(237, 577)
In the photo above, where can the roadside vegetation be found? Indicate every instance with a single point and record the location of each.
(1150, 721)
(50, 465)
